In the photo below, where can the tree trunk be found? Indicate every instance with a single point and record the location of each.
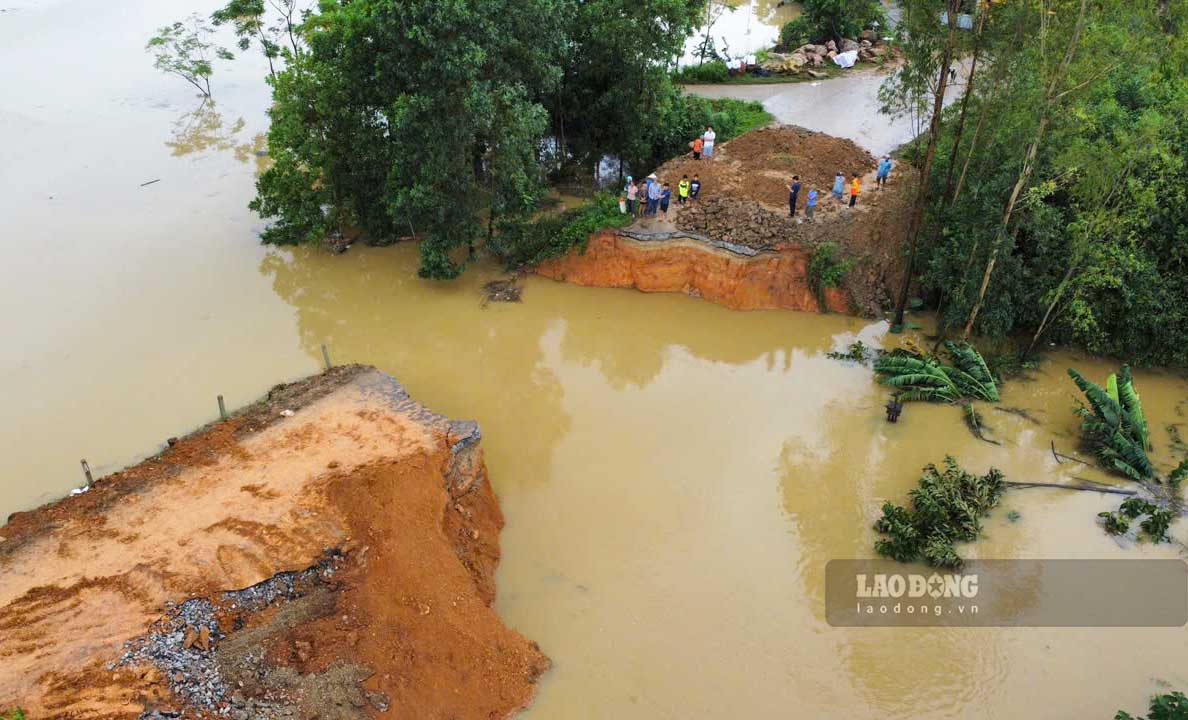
(969, 88)
(916, 224)
(973, 146)
(1072, 268)
(1050, 98)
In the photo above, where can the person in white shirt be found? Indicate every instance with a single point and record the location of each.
(707, 151)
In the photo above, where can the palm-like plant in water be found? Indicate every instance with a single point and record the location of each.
(946, 508)
(1115, 427)
(927, 378)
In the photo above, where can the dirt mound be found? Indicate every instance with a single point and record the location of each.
(759, 165)
(333, 561)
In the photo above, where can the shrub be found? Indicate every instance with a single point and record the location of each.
(714, 71)
(826, 269)
(946, 508)
(528, 243)
(795, 33)
(1169, 706)
(1114, 426)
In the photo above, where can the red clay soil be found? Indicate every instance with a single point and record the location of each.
(769, 281)
(759, 165)
(402, 616)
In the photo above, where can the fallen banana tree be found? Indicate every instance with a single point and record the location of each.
(1114, 427)
(946, 508)
(920, 377)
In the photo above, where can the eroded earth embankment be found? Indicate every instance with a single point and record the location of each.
(737, 245)
(334, 561)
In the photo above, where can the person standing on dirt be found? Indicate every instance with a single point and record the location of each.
(855, 189)
(697, 145)
(793, 195)
(665, 197)
(810, 205)
(632, 194)
(883, 173)
(839, 183)
(683, 190)
(709, 138)
(654, 193)
(694, 188)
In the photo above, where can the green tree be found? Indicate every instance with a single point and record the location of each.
(247, 17)
(184, 49)
(407, 119)
(615, 89)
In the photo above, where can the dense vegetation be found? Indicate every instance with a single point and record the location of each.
(1057, 201)
(1114, 427)
(946, 508)
(1168, 706)
(920, 377)
(824, 20)
(445, 122)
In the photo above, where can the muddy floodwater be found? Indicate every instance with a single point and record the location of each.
(741, 27)
(674, 475)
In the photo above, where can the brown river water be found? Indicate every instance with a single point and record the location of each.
(674, 475)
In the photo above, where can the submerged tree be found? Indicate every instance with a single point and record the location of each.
(406, 119)
(919, 377)
(1115, 427)
(184, 49)
(946, 508)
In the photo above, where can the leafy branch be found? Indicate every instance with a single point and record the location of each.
(184, 49)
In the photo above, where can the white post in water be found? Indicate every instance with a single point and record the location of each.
(222, 409)
(87, 471)
(326, 357)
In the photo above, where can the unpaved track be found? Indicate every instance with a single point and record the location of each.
(358, 466)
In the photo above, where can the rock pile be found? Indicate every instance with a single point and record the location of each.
(811, 55)
(742, 222)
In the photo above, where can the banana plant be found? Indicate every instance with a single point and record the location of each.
(1115, 426)
(920, 377)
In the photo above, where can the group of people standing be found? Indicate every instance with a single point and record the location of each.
(703, 146)
(840, 189)
(652, 197)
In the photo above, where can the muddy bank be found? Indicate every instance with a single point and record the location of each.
(736, 277)
(329, 551)
(738, 246)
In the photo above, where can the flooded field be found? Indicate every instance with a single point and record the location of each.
(674, 475)
(741, 27)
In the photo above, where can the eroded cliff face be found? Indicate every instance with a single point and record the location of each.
(337, 560)
(765, 281)
(737, 245)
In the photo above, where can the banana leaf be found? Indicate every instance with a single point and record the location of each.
(1112, 387)
(1133, 406)
(1104, 407)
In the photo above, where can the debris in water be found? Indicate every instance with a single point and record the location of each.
(150, 182)
(507, 290)
(894, 408)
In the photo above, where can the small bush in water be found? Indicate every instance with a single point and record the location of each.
(1169, 706)
(946, 508)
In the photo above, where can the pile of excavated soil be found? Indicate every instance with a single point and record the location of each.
(759, 166)
(335, 561)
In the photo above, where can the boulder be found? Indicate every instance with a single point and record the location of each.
(867, 35)
(848, 45)
(831, 46)
(864, 43)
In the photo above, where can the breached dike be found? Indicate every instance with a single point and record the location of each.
(329, 550)
(738, 246)
(736, 276)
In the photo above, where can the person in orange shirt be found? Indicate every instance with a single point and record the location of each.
(697, 145)
(855, 189)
